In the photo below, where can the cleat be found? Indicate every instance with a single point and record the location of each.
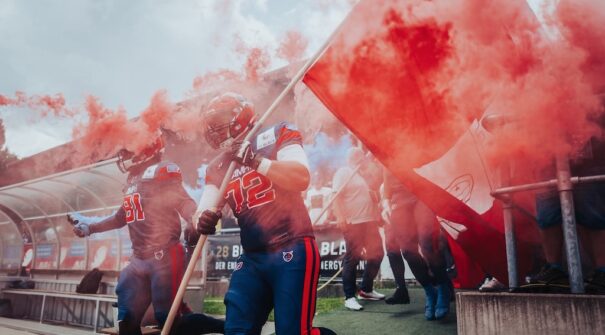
(353, 305)
(369, 295)
(431, 301)
(548, 280)
(400, 296)
(550, 276)
(492, 285)
(442, 308)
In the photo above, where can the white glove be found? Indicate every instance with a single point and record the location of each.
(81, 224)
(81, 230)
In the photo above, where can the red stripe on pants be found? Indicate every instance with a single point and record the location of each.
(176, 264)
(310, 287)
(315, 280)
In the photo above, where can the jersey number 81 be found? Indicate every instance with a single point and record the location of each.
(133, 208)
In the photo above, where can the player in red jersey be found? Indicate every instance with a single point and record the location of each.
(154, 202)
(280, 266)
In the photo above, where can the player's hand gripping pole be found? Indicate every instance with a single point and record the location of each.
(200, 244)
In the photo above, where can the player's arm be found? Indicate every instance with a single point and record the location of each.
(86, 225)
(289, 171)
(387, 193)
(115, 221)
(207, 215)
(186, 208)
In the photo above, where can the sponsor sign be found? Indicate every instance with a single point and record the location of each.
(223, 252)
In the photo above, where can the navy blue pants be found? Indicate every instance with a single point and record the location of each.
(153, 280)
(360, 237)
(284, 280)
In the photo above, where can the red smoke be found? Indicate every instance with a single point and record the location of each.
(43, 104)
(470, 58)
(548, 85)
(257, 63)
(292, 47)
(107, 131)
(581, 23)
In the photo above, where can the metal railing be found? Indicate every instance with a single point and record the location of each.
(564, 184)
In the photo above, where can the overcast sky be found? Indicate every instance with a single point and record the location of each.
(124, 51)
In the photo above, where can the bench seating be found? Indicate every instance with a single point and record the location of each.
(95, 298)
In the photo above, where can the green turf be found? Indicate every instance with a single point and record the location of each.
(377, 318)
(215, 306)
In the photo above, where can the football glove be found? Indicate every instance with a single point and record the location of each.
(82, 230)
(80, 223)
(207, 222)
(241, 152)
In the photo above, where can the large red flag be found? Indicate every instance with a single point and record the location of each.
(395, 76)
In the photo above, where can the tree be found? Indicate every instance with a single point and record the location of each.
(6, 157)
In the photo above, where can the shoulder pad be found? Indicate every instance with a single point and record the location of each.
(163, 171)
(287, 125)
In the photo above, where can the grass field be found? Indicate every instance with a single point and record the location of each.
(215, 306)
(377, 318)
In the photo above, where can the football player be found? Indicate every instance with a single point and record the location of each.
(279, 268)
(154, 203)
(414, 227)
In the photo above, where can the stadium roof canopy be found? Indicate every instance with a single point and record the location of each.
(34, 212)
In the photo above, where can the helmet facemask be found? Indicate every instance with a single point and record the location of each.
(128, 162)
(228, 117)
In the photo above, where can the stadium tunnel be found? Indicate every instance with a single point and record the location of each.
(37, 245)
(37, 240)
(34, 232)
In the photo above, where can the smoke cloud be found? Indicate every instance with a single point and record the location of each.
(44, 105)
(452, 62)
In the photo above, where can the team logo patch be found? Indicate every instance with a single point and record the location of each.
(238, 266)
(265, 139)
(288, 255)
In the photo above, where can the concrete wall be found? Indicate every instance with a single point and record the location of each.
(520, 314)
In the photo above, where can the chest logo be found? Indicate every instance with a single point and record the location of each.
(288, 255)
(266, 138)
(131, 189)
(238, 266)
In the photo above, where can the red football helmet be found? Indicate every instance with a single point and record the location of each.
(128, 161)
(226, 117)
